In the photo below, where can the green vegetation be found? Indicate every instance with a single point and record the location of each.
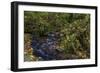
(73, 31)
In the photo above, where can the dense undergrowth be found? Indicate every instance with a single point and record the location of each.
(56, 36)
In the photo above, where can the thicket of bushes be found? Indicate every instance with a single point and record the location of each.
(73, 30)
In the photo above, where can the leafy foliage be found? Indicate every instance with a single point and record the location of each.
(70, 30)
